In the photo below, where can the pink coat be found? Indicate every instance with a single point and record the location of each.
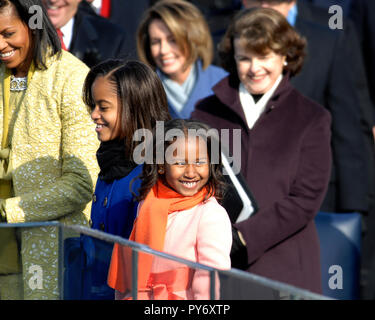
(201, 234)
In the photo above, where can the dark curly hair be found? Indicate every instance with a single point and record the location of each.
(215, 185)
(262, 30)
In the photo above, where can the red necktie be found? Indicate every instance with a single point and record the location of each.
(105, 10)
(60, 34)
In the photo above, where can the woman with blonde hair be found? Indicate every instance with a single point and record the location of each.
(175, 39)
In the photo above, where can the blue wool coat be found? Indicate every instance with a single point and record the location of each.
(113, 209)
(86, 258)
(207, 78)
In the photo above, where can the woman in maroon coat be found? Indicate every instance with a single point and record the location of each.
(285, 145)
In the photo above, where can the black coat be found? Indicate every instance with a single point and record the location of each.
(286, 161)
(127, 15)
(333, 75)
(363, 14)
(96, 39)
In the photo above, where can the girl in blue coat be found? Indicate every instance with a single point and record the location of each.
(122, 98)
(175, 39)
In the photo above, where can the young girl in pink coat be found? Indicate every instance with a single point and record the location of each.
(179, 214)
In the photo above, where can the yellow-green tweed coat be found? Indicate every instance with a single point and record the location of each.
(53, 148)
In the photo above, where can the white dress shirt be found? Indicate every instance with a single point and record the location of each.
(67, 31)
(97, 5)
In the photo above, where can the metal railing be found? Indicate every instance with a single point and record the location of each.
(234, 283)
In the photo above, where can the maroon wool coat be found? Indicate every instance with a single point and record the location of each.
(286, 161)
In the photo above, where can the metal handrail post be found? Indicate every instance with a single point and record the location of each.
(212, 285)
(134, 274)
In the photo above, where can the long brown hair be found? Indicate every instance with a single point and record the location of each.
(141, 94)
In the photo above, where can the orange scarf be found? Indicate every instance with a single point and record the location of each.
(149, 228)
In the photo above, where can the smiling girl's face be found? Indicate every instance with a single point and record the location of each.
(190, 172)
(106, 110)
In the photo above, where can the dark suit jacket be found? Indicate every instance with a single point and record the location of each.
(286, 161)
(363, 14)
(96, 39)
(332, 77)
(127, 15)
(344, 4)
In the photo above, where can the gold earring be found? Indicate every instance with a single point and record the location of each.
(161, 171)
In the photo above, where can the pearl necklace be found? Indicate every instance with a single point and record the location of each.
(18, 84)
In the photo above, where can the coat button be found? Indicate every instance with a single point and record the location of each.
(94, 197)
(101, 226)
(105, 201)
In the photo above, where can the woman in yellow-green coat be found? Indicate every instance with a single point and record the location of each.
(48, 144)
